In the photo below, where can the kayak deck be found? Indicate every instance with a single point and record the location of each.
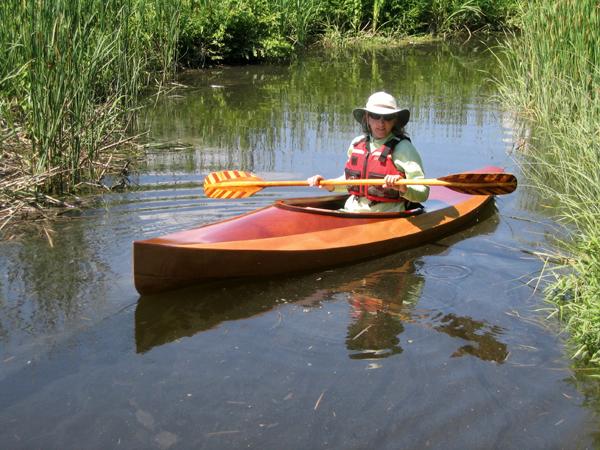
(284, 218)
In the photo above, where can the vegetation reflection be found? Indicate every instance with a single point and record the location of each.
(247, 117)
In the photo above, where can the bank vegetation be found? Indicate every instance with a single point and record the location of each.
(70, 76)
(552, 79)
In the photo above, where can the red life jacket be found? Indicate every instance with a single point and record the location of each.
(377, 164)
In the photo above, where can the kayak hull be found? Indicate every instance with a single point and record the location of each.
(292, 236)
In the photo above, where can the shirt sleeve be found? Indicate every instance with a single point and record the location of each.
(407, 159)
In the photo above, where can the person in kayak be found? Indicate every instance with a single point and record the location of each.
(383, 151)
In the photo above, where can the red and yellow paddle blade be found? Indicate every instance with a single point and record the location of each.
(481, 183)
(231, 184)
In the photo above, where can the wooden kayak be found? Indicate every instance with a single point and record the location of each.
(295, 235)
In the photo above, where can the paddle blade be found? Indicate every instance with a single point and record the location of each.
(481, 183)
(222, 184)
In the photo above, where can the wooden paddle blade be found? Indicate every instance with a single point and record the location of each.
(213, 184)
(481, 183)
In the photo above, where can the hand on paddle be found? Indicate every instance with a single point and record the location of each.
(390, 183)
(315, 180)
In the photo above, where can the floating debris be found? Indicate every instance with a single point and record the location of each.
(319, 400)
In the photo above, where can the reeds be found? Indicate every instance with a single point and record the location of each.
(300, 19)
(70, 73)
(552, 75)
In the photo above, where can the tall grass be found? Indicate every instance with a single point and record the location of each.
(70, 73)
(376, 13)
(235, 31)
(449, 16)
(552, 76)
(300, 19)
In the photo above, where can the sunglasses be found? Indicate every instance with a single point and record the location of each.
(387, 118)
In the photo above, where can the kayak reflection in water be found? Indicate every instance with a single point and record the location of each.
(383, 303)
(382, 307)
(380, 303)
(383, 151)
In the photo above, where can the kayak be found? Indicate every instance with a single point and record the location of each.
(296, 235)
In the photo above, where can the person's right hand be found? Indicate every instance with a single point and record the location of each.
(315, 180)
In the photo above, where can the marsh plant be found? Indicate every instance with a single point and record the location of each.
(552, 76)
(250, 30)
(70, 73)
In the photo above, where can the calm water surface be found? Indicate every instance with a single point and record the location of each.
(443, 346)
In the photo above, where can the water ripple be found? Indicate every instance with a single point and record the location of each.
(447, 271)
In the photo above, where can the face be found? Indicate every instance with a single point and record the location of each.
(379, 125)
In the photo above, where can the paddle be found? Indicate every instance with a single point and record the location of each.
(239, 184)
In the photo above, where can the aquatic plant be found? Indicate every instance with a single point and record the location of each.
(70, 73)
(551, 76)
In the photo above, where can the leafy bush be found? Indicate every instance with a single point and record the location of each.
(231, 31)
(250, 30)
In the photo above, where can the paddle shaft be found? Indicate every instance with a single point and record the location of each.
(358, 182)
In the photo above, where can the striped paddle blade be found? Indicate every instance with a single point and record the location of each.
(481, 183)
(223, 184)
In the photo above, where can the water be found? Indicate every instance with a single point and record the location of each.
(443, 346)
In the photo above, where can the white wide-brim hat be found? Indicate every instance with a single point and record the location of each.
(382, 103)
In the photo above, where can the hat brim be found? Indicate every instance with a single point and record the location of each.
(402, 114)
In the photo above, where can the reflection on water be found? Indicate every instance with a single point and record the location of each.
(278, 118)
(481, 337)
(380, 303)
(377, 311)
(47, 288)
(378, 321)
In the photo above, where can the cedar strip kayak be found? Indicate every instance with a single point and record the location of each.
(295, 235)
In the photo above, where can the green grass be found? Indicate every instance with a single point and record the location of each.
(216, 31)
(552, 77)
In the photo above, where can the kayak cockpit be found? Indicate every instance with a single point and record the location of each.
(330, 205)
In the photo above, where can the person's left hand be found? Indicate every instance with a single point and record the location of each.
(390, 181)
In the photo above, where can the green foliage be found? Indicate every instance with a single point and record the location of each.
(576, 297)
(249, 30)
(232, 31)
(551, 75)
